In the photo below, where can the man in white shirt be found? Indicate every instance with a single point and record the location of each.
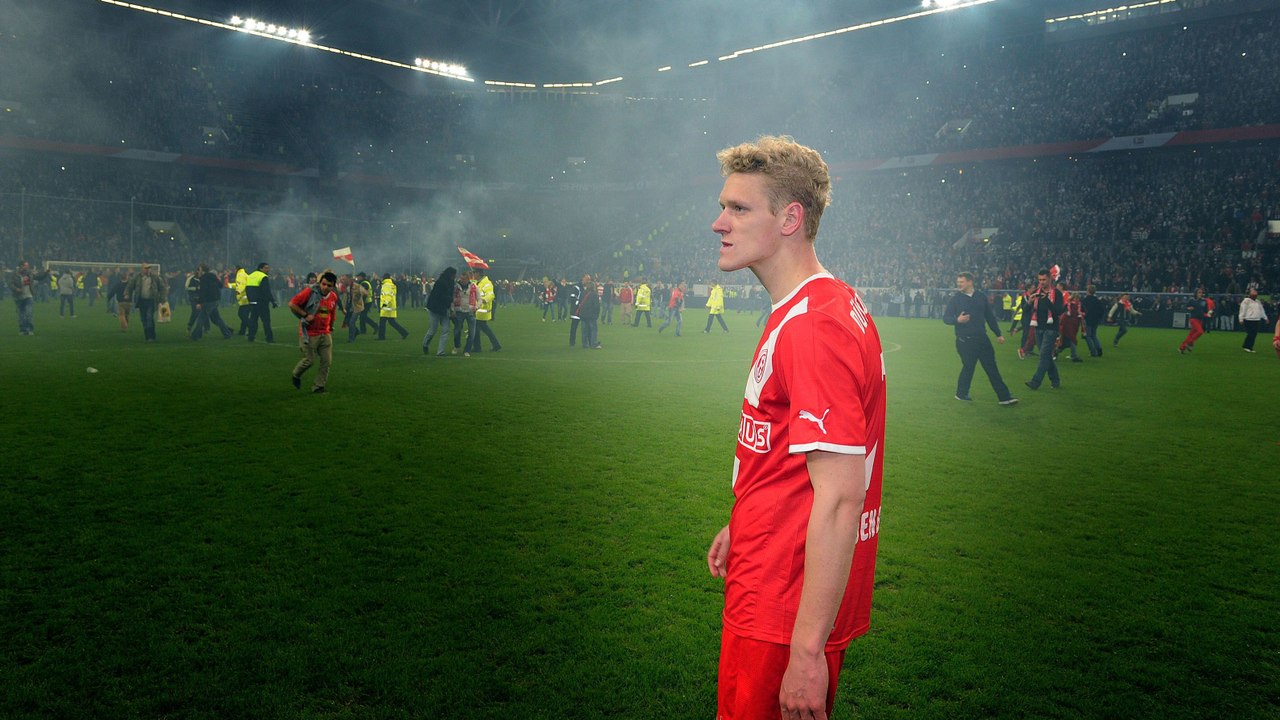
(1252, 316)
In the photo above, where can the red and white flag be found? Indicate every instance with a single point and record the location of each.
(473, 260)
(345, 254)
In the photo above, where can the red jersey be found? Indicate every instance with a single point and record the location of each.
(677, 299)
(1071, 320)
(817, 383)
(322, 323)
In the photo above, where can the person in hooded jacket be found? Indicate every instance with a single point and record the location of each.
(439, 303)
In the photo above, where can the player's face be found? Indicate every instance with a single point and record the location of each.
(750, 233)
(964, 284)
(325, 286)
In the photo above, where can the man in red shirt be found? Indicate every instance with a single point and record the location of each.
(316, 306)
(675, 309)
(798, 554)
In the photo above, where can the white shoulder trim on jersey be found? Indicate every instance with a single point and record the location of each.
(828, 447)
(806, 281)
(762, 366)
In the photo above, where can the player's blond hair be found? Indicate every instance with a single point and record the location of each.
(792, 173)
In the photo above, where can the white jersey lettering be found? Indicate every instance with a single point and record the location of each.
(869, 526)
(754, 435)
(858, 311)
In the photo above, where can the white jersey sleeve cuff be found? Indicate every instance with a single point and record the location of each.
(828, 447)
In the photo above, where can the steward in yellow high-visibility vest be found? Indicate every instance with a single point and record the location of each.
(715, 307)
(644, 300)
(242, 298)
(484, 313)
(387, 309)
(1017, 314)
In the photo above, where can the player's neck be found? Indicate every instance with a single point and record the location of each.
(786, 270)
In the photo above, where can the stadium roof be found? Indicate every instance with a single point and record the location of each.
(541, 41)
(545, 40)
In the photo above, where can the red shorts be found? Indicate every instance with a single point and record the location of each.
(751, 678)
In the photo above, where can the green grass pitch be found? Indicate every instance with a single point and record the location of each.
(522, 534)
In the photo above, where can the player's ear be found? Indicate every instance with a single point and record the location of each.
(792, 219)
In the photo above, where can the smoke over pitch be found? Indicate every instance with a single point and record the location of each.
(412, 166)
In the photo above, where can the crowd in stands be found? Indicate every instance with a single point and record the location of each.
(176, 95)
(1150, 221)
(1027, 91)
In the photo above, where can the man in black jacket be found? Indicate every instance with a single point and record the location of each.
(575, 302)
(1046, 307)
(1095, 312)
(208, 295)
(968, 311)
(261, 300)
(192, 287)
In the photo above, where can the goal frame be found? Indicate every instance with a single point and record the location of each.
(94, 264)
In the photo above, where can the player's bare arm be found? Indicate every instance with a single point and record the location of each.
(718, 555)
(839, 490)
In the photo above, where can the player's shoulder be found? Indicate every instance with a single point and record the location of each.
(831, 297)
(829, 303)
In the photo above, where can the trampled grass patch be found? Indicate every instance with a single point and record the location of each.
(522, 534)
